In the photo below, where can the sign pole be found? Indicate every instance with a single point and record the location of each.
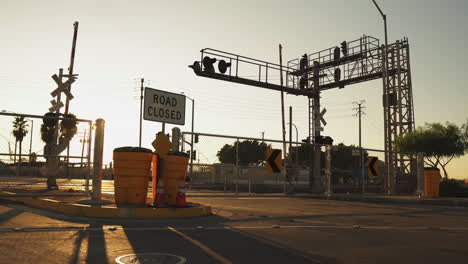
(72, 62)
(283, 132)
(141, 108)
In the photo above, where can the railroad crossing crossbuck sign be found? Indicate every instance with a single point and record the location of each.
(273, 160)
(61, 87)
(372, 166)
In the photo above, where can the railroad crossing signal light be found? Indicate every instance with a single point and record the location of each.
(323, 140)
(344, 48)
(328, 140)
(194, 155)
(50, 119)
(208, 64)
(223, 66)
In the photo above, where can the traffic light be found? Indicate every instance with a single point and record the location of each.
(194, 155)
(196, 67)
(303, 82)
(304, 62)
(208, 64)
(307, 140)
(344, 48)
(336, 53)
(337, 74)
(196, 138)
(223, 66)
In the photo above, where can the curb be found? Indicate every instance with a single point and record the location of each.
(368, 199)
(82, 210)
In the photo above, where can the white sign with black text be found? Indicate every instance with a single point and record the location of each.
(164, 107)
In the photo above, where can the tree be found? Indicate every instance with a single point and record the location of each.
(251, 152)
(342, 157)
(57, 137)
(19, 132)
(439, 143)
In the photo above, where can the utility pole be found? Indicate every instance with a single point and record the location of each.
(141, 107)
(282, 117)
(71, 76)
(72, 62)
(360, 112)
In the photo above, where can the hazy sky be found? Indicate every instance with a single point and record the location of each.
(120, 41)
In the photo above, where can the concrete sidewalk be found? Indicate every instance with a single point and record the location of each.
(82, 206)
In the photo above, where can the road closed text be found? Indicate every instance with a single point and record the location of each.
(164, 113)
(163, 106)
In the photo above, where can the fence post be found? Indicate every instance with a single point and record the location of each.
(249, 175)
(420, 174)
(328, 158)
(221, 176)
(237, 166)
(363, 171)
(97, 159)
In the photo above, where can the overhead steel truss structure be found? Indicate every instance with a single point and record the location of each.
(357, 61)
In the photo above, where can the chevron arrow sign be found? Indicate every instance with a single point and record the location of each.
(274, 160)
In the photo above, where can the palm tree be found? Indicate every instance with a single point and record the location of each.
(19, 132)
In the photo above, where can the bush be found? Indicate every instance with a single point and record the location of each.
(452, 188)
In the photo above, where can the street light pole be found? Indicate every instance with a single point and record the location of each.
(191, 137)
(297, 140)
(387, 105)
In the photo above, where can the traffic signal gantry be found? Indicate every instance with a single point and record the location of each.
(363, 59)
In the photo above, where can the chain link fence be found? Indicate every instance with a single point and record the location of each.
(23, 161)
(237, 164)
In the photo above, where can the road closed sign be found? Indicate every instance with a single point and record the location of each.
(164, 107)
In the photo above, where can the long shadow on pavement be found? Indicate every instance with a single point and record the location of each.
(96, 245)
(218, 245)
(10, 214)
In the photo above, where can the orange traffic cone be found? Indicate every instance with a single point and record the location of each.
(160, 198)
(181, 198)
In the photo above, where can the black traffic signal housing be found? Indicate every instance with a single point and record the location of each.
(323, 140)
(336, 53)
(328, 140)
(196, 138)
(307, 140)
(194, 155)
(304, 62)
(223, 66)
(208, 64)
(337, 74)
(344, 48)
(303, 82)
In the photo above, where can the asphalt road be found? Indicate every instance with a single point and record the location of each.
(245, 230)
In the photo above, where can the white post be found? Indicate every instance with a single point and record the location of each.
(97, 160)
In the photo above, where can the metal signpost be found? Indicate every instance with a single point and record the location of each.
(165, 107)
